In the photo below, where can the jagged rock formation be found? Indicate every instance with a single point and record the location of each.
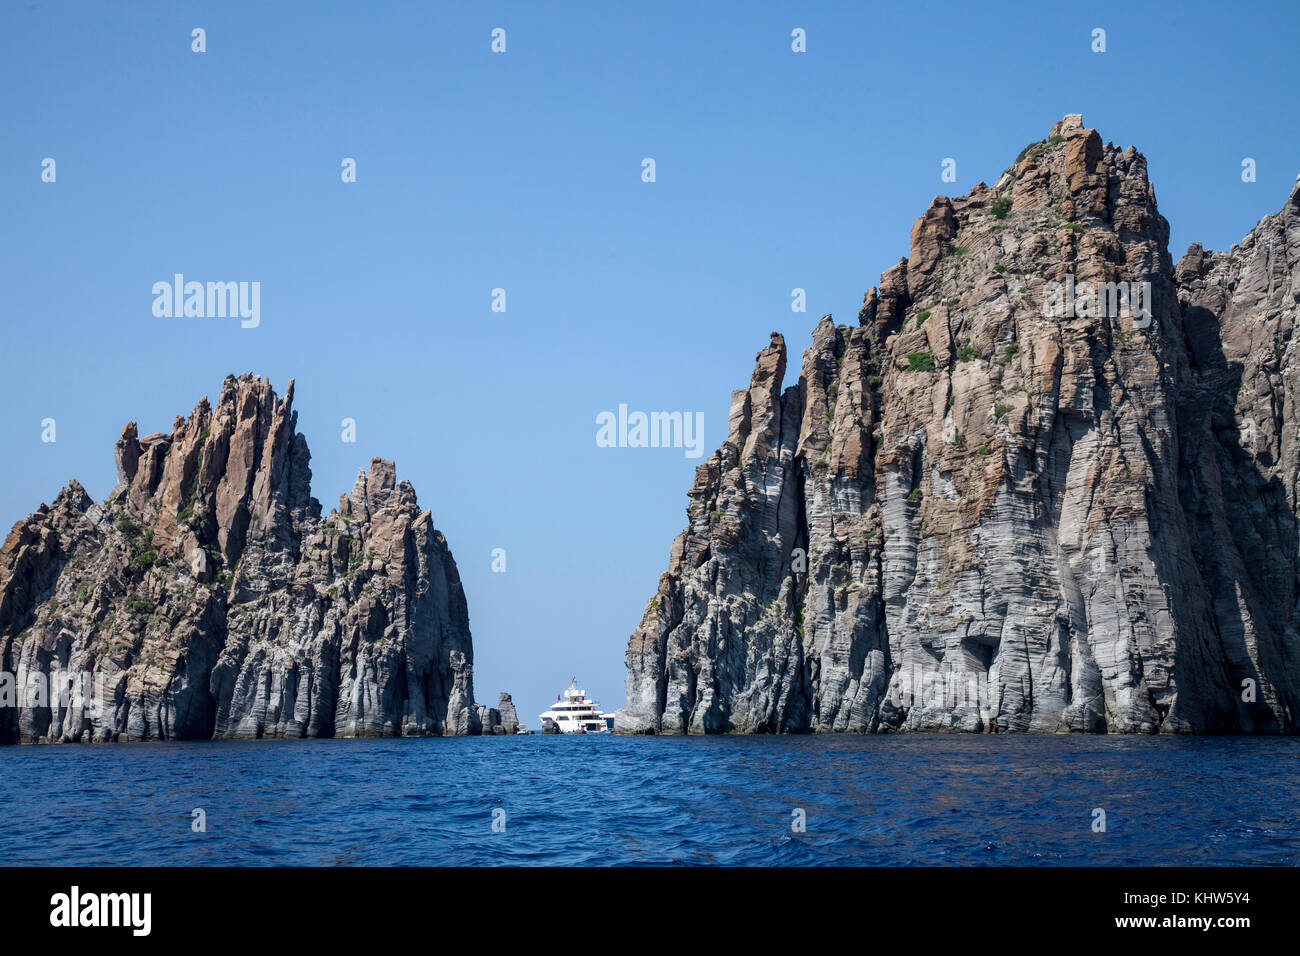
(509, 716)
(206, 597)
(501, 719)
(981, 511)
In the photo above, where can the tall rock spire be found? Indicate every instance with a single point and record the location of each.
(1047, 483)
(207, 597)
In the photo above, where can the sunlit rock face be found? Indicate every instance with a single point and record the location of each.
(207, 597)
(1046, 483)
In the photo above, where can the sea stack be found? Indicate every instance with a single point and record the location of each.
(1047, 482)
(207, 597)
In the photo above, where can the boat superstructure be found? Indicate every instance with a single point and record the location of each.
(575, 713)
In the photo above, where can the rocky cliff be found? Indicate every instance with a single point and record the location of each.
(1016, 496)
(206, 597)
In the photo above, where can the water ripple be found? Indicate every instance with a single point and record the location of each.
(887, 800)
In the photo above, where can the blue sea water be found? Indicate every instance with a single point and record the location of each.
(893, 800)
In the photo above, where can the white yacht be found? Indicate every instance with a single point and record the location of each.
(576, 713)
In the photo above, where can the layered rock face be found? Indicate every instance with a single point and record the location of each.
(206, 597)
(993, 505)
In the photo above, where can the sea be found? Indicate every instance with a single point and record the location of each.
(825, 800)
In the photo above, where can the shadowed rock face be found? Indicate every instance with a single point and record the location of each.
(973, 512)
(207, 597)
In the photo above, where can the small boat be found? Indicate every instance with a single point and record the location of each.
(576, 713)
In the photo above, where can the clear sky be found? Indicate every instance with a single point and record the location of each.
(523, 171)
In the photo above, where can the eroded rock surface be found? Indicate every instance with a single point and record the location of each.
(976, 511)
(207, 597)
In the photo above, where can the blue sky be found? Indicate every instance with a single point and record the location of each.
(522, 171)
